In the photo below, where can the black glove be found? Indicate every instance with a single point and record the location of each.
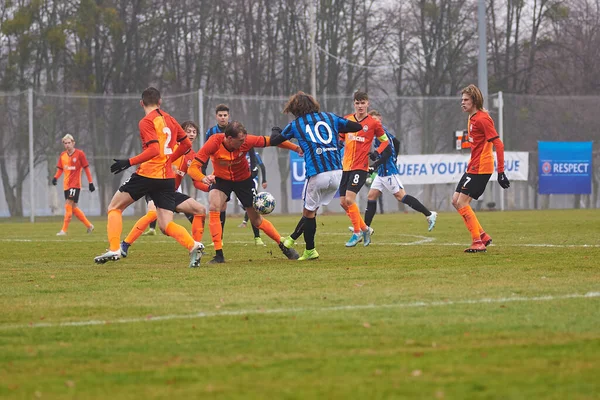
(373, 155)
(92, 187)
(54, 181)
(503, 180)
(119, 166)
(275, 130)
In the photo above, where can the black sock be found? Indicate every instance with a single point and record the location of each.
(299, 228)
(190, 217)
(256, 231)
(222, 216)
(310, 229)
(246, 216)
(153, 224)
(219, 253)
(370, 211)
(415, 205)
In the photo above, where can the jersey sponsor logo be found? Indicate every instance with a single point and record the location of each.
(71, 167)
(322, 150)
(356, 138)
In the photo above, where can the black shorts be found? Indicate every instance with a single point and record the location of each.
(244, 190)
(473, 185)
(72, 194)
(179, 198)
(161, 191)
(352, 181)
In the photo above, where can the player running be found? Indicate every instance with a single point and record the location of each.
(71, 161)
(317, 134)
(193, 210)
(483, 136)
(232, 174)
(155, 177)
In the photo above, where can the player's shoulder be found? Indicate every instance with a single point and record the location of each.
(350, 117)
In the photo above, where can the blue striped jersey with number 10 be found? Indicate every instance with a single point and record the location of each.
(389, 167)
(317, 135)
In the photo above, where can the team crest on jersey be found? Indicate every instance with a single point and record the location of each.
(74, 159)
(366, 128)
(189, 162)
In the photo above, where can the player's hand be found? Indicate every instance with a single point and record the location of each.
(275, 130)
(264, 185)
(373, 155)
(92, 187)
(119, 166)
(299, 151)
(208, 179)
(503, 180)
(54, 181)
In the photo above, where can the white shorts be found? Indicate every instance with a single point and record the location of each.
(391, 183)
(320, 189)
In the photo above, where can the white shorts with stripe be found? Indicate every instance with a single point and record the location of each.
(391, 183)
(320, 189)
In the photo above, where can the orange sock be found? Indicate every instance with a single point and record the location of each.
(114, 227)
(198, 227)
(180, 234)
(357, 222)
(140, 226)
(81, 216)
(67, 218)
(216, 231)
(268, 228)
(470, 221)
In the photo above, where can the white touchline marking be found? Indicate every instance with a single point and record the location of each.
(292, 310)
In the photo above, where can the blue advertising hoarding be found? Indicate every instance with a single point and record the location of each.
(298, 173)
(565, 167)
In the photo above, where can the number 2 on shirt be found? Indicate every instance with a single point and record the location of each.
(167, 149)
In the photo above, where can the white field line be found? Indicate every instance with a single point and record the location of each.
(293, 310)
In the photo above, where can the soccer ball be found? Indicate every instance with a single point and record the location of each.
(264, 203)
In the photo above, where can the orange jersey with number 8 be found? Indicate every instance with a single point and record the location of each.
(159, 127)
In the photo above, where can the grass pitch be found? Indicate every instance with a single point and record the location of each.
(410, 316)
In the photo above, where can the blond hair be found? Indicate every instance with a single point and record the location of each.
(476, 96)
(68, 136)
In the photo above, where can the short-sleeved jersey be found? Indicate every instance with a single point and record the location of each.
(212, 131)
(181, 166)
(389, 167)
(230, 165)
(71, 165)
(317, 135)
(159, 127)
(481, 132)
(358, 144)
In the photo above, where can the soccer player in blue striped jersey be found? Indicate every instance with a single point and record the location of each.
(317, 134)
(388, 177)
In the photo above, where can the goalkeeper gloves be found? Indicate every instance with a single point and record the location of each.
(54, 181)
(92, 187)
(119, 166)
(503, 180)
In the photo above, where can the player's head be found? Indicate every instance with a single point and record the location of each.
(375, 114)
(222, 113)
(191, 129)
(361, 102)
(68, 142)
(150, 97)
(472, 99)
(235, 135)
(301, 104)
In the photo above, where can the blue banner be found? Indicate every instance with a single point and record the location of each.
(298, 173)
(565, 167)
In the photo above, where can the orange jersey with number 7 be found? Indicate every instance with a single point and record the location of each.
(159, 127)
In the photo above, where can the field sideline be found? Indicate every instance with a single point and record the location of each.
(410, 316)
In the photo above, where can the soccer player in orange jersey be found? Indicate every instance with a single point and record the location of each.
(193, 210)
(357, 147)
(483, 136)
(227, 152)
(71, 161)
(159, 133)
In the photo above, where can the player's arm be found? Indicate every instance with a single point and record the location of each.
(349, 126)
(265, 141)
(59, 171)
(263, 170)
(184, 143)
(492, 136)
(195, 170)
(150, 141)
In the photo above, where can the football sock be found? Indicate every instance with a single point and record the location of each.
(153, 223)
(140, 226)
(222, 217)
(180, 234)
(370, 211)
(481, 231)
(190, 217)
(310, 229)
(114, 227)
(270, 230)
(216, 229)
(67, 218)
(470, 221)
(198, 227)
(415, 205)
(357, 222)
(246, 216)
(256, 231)
(299, 228)
(81, 216)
